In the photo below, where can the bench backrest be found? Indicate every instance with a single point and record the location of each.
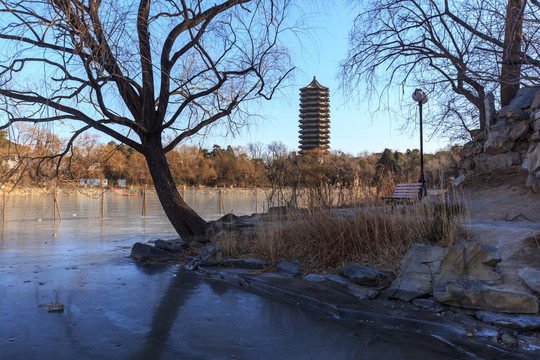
(410, 191)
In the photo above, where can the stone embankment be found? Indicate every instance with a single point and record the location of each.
(453, 292)
(510, 142)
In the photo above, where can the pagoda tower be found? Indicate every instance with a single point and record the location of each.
(314, 117)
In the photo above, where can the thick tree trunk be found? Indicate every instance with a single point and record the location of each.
(511, 61)
(184, 219)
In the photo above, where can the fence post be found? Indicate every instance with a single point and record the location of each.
(219, 201)
(102, 202)
(144, 201)
(256, 201)
(56, 207)
(4, 209)
(184, 193)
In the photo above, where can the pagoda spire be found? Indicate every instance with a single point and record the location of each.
(314, 117)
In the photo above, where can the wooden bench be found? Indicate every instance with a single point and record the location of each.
(405, 193)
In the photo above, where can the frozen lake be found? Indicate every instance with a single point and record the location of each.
(118, 309)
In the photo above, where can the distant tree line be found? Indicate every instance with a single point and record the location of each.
(24, 160)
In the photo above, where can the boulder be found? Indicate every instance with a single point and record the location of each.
(212, 255)
(535, 104)
(363, 275)
(524, 99)
(533, 158)
(470, 149)
(536, 122)
(519, 129)
(471, 262)
(531, 278)
(518, 322)
(504, 163)
(497, 139)
(175, 246)
(477, 295)
(414, 275)
(425, 267)
(467, 164)
(148, 253)
(252, 264)
(289, 268)
(516, 114)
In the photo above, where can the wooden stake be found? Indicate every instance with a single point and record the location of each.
(102, 202)
(4, 209)
(56, 207)
(220, 202)
(184, 193)
(256, 201)
(144, 201)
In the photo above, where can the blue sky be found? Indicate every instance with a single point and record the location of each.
(353, 127)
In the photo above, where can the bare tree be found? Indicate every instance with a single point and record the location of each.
(139, 71)
(462, 51)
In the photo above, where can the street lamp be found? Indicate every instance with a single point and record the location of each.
(419, 96)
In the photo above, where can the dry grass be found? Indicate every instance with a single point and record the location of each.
(373, 234)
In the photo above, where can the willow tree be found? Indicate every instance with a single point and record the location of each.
(140, 72)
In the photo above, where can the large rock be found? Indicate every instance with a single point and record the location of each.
(472, 262)
(363, 275)
(533, 158)
(477, 295)
(519, 322)
(175, 246)
(524, 99)
(470, 149)
(148, 253)
(212, 255)
(426, 267)
(505, 163)
(531, 278)
(536, 121)
(519, 129)
(289, 268)
(414, 275)
(497, 144)
(535, 104)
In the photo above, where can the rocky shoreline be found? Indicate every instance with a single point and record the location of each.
(450, 293)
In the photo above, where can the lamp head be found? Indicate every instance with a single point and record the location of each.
(420, 96)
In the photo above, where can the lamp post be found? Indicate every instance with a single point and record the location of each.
(421, 98)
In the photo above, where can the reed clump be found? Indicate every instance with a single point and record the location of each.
(375, 234)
